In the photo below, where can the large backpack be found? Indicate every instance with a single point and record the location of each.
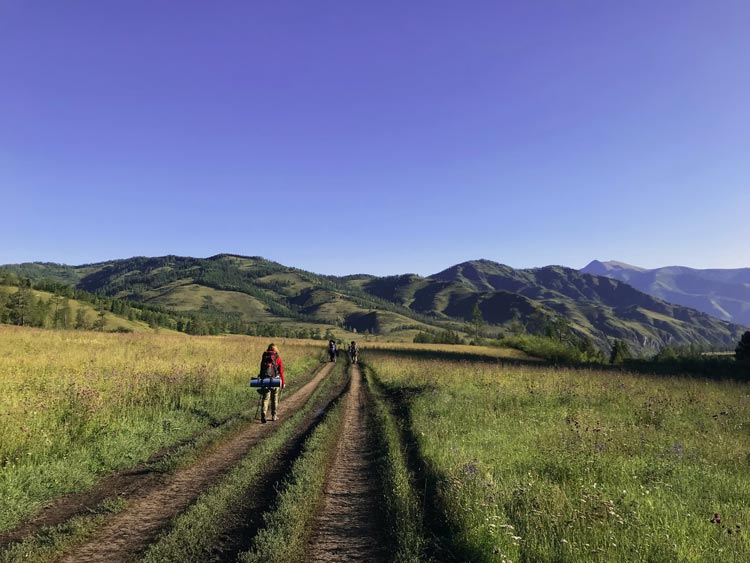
(268, 366)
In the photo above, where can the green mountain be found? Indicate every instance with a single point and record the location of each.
(598, 307)
(51, 305)
(240, 292)
(251, 290)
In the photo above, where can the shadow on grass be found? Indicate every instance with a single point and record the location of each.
(709, 368)
(443, 543)
(457, 356)
(718, 369)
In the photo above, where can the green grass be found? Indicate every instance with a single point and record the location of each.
(545, 348)
(405, 515)
(182, 296)
(287, 527)
(541, 464)
(76, 405)
(196, 531)
(50, 542)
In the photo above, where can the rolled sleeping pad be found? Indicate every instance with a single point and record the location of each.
(265, 382)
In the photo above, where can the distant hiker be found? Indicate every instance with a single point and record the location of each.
(353, 352)
(271, 367)
(331, 350)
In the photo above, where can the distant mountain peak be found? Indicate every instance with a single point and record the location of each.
(598, 267)
(723, 293)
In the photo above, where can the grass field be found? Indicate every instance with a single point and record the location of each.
(535, 464)
(485, 454)
(75, 404)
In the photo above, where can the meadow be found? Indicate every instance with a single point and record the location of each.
(525, 463)
(486, 454)
(75, 405)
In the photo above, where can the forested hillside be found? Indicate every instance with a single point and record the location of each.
(252, 295)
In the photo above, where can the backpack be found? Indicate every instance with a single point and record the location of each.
(268, 365)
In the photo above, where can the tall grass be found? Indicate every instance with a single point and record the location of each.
(224, 506)
(540, 464)
(76, 404)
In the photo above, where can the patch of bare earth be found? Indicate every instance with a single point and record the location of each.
(349, 526)
(129, 532)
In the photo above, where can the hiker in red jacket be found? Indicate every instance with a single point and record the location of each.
(272, 367)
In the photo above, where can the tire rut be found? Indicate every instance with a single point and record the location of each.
(250, 517)
(128, 533)
(349, 526)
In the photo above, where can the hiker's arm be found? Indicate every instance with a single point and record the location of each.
(280, 365)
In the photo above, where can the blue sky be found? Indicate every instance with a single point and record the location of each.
(381, 137)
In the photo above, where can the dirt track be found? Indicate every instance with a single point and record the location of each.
(129, 532)
(349, 526)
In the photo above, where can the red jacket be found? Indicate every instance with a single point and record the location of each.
(279, 365)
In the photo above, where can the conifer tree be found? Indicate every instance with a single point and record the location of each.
(742, 352)
(101, 320)
(4, 313)
(477, 321)
(620, 352)
(20, 306)
(82, 322)
(63, 314)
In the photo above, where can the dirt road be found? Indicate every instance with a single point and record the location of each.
(128, 533)
(350, 524)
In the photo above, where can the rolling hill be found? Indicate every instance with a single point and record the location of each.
(257, 290)
(49, 310)
(724, 294)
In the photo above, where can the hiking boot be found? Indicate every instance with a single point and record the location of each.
(263, 417)
(274, 417)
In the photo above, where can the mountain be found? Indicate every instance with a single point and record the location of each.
(598, 307)
(245, 289)
(724, 294)
(238, 290)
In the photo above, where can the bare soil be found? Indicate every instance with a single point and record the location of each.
(349, 526)
(156, 499)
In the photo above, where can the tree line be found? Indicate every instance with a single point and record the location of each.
(51, 304)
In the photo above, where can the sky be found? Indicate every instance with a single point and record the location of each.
(376, 137)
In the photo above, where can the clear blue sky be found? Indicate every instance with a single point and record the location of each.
(376, 136)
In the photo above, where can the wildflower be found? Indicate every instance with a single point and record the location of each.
(716, 519)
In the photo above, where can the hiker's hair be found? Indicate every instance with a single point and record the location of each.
(272, 347)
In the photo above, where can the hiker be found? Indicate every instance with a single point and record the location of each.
(353, 352)
(331, 350)
(271, 366)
